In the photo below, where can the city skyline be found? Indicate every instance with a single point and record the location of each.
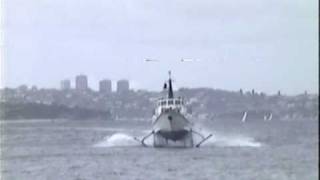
(81, 82)
(263, 45)
(68, 84)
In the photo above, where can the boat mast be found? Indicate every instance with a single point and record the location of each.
(170, 91)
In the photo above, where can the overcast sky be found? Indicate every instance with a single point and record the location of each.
(267, 45)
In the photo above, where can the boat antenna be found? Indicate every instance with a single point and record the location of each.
(170, 91)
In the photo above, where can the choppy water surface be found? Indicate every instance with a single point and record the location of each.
(93, 150)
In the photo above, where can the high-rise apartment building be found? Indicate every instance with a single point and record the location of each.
(105, 86)
(81, 82)
(122, 86)
(65, 84)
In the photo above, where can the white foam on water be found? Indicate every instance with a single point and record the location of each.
(233, 141)
(219, 140)
(226, 140)
(116, 140)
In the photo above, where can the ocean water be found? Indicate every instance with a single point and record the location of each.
(103, 150)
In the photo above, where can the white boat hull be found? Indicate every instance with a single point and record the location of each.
(172, 129)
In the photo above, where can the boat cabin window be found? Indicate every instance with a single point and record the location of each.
(164, 110)
(163, 103)
(170, 102)
(177, 102)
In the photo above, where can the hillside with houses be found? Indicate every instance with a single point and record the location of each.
(205, 103)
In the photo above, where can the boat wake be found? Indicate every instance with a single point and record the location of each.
(218, 140)
(233, 141)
